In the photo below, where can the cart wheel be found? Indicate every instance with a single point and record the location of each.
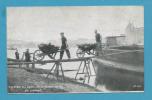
(80, 53)
(51, 56)
(93, 52)
(38, 55)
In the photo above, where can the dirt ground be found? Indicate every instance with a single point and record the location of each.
(27, 81)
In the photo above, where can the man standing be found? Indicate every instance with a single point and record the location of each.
(27, 57)
(64, 46)
(98, 43)
(17, 55)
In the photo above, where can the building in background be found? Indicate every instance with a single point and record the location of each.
(115, 40)
(134, 35)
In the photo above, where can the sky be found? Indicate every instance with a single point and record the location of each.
(42, 24)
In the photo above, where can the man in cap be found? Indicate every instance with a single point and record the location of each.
(98, 43)
(64, 46)
(27, 57)
(17, 55)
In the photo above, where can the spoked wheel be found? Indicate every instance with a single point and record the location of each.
(38, 55)
(92, 52)
(80, 53)
(52, 56)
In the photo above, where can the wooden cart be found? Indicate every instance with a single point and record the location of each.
(45, 50)
(84, 49)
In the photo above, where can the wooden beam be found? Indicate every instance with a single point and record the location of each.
(17, 62)
(51, 61)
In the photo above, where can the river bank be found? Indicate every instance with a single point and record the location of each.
(23, 80)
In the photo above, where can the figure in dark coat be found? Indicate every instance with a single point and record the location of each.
(64, 46)
(27, 56)
(98, 43)
(17, 56)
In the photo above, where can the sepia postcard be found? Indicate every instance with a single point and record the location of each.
(75, 49)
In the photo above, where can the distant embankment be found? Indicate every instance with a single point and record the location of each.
(124, 71)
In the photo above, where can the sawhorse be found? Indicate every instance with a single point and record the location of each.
(86, 69)
(57, 68)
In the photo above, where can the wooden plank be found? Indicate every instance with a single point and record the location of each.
(51, 61)
(66, 60)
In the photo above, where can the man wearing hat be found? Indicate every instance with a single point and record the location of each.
(64, 46)
(27, 57)
(17, 55)
(98, 43)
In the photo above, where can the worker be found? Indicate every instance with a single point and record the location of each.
(64, 46)
(27, 57)
(17, 55)
(98, 43)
